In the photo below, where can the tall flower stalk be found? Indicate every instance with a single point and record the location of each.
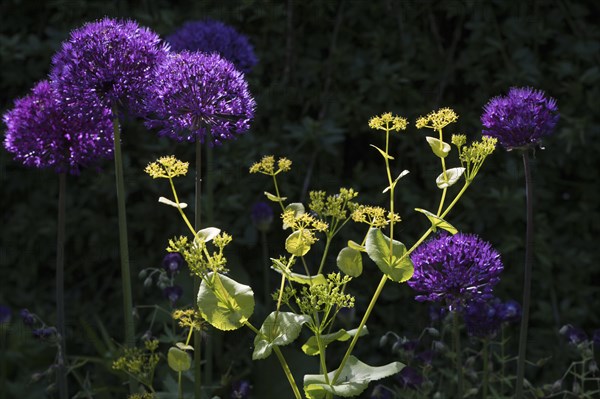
(108, 64)
(520, 120)
(42, 133)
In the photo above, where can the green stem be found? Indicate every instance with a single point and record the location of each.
(213, 351)
(197, 281)
(61, 375)
(486, 367)
(123, 244)
(458, 354)
(325, 251)
(527, 278)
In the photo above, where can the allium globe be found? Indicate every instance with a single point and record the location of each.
(521, 118)
(42, 133)
(456, 269)
(209, 36)
(108, 63)
(200, 96)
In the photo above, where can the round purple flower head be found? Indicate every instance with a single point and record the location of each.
(521, 118)
(211, 36)
(172, 262)
(455, 268)
(262, 215)
(42, 133)
(108, 62)
(200, 95)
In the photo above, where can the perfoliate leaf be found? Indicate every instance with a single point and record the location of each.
(178, 360)
(225, 303)
(451, 177)
(167, 201)
(439, 147)
(274, 198)
(278, 329)
(400, 176)
(437, 221)
(301, 278)
(311, 347)
(394, 265)
(207, 234)
(353, 380)
(356, 246)
(382, 152)
(298, 243)
(349, 261)
(184, 347)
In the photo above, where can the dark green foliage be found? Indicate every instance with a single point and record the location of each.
(325, 67)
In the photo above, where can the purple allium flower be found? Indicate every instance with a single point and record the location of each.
(27, 317)
(409, 378)
(200, 95)
(173, 293)
(521, 118)
(211, 36)
(456, 268)
(241, 390)
(107, 62)
(43, 133)
(262, 215)
(172, 262)
(5, 314)
(573, 334)
(509, 311)
(482, 319)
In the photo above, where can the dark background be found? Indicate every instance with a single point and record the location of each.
(325, 67)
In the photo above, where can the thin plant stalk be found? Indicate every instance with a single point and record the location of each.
(123, 244)
(61, 374)
(457, 354)
(527, 278)
(197, 281)
(486, 367)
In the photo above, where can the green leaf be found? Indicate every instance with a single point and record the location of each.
(184, 347)
(382, 152)
(439, 147)
(400, 176)
(349, 261)
(356, 246)
(437, 221)
(274, 198)
(311, 347)
(207, 234)
(278, 329)
(300, 278)
(451, 177)
(378, 249)
(167, 201)
(225, 303)
(353, 380)
(298, 243)
(178, 360)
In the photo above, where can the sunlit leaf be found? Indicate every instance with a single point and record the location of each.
(439, 147)
(382, 152)
(278, 329)
(394, 265)
(298, 243)
(451, 177)
(167, 201)
(437, 221)
(178, 360)
(274, 198)
(311, 347)
(349, 261)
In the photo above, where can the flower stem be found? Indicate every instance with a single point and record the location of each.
(197, 281)
(527, 277)
(123, 244)
(61, 375)
(457, 350)
(486, 367)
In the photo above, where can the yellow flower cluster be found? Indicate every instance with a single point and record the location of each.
(374, 216)
(303, 221)
(266, 165)
(388, 122)
(167, 168)
(139, 362)
(189, 318)
(334, 206)
(437, 120)
(473, 156)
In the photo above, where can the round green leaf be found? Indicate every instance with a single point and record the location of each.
(178, 360)
(349, 261)
(225, 303)
(298, 243)
(439, 147)
(451, 177)
(394, 265)
(278, 329)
